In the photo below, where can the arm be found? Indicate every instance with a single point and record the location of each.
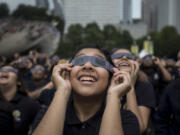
(111, 121)
(53, 124)
(142, 113)
(35, 94)
(166, 75)
(142, 76)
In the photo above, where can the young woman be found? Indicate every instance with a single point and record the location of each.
(87, 98)
(24, 109)
(140, 99)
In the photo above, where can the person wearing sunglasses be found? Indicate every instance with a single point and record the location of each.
(24, 109)
(140, 99)
(87, 98)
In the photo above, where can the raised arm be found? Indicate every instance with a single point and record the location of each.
(53, 121)
(141, 112)
(165, 74)
(112, 121)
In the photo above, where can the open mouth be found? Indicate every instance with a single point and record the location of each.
(4, 76)
(124, 65)
(87, 78)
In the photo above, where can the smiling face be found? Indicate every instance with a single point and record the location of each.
(8, 76)
(89, 80)
(38, 73)
(123, 63)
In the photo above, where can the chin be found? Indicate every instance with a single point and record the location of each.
(87, 92)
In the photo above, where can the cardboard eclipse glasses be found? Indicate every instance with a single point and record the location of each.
(120, 55)
(9, 70)
(95, 61)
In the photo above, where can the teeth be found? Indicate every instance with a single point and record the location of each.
(124, 64)
(87, 79)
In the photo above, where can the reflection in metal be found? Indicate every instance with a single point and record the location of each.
(20, 36)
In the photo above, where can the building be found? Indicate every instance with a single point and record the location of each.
(42, 3)
(168, 13)
(149, 13)
(126, 11)
(137, 30)
(87, 11)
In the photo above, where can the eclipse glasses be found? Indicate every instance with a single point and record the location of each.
(120, 55)
(95, 61)
(9, 70)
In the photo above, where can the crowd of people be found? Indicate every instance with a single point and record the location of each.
(95, 92)
(35, 28)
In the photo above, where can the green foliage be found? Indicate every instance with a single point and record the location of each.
(166, 42)
(4, 10)
(30, 12)
(77, 35)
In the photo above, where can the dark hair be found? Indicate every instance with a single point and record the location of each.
(115, 49)
(103, 50)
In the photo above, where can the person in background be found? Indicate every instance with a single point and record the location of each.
(38, 82)
(167, 118)
(87, 99)
(157, 74)
(24, 109)
(140, 99)
(170, 66)
(178, 67)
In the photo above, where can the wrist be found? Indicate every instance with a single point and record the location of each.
(112, 100)
(65, 94)
(113, 96)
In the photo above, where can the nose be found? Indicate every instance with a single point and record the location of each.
(88, 66)
(124, 57)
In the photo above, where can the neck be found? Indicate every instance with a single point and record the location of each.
(8, 92)
(85, 107)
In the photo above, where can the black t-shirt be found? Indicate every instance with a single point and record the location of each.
(73, 126)
(145, 94)
(6, 121)
(24, 112)
(168, 113)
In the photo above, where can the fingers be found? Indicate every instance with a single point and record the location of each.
(121, 77)
(62, 70)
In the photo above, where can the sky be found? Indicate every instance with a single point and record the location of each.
(136, 12)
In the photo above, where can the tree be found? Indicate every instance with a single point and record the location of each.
(71, 40)
(30, 12)
(4, 10)
(166, 42)
(93, 34)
